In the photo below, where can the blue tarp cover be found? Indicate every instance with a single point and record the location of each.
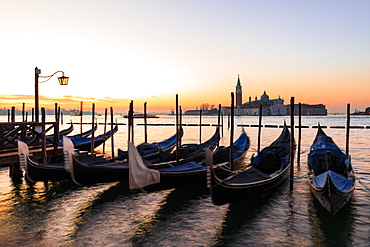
(190, 166)
(340, 182)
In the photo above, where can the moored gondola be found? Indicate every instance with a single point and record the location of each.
(333, 180)
(35, 171)
(195, 173)
(84, 143)
(100, 170)
(151, 151)
(268, 170)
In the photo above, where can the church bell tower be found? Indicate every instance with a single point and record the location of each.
(238, 93)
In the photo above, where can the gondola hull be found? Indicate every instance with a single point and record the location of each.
(100, 171)
(84, 143)
(169, 180)
(330, 196)
(45, 172)
(153, 149)
(195, 173)
(333, 180)
(267, 171)
(226, 193)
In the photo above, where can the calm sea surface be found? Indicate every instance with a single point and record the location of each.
(63, 214)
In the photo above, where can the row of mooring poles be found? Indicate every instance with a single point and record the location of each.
(93, 125)
(11, 114)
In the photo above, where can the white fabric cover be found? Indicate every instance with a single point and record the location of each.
(139, 175)
(23, 153)
(68, 148)
(23, 149)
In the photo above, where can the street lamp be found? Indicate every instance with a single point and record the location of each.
(63, 80)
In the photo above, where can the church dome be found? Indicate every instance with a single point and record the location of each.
(265, 96)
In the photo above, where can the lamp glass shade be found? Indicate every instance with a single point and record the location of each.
(63, 80)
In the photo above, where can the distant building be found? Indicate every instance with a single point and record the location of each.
(366, 112)
(211, 112)
(313, 110)
(270, 107)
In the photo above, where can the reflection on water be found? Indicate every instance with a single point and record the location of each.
(333, 231)
(62, 214)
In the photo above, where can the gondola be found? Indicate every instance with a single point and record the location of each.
(73, 137)
(267, 170)
(50, 138)
(99, 170)
(84, 134)
(35, 171)
(333, 180)
(63, 132)
(151, 151)
(84, 143)
(195, 173)
(67, 131)
(190, 151)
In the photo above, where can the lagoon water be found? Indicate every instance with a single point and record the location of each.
(63, 214)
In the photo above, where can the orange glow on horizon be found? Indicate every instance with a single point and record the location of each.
(334, 103)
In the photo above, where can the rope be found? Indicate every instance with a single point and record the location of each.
(303, 176)
(302, 152)
(167, 163)
(298, 177)
(363, 185)
(288, 176)
(305, 151)
(227, 169)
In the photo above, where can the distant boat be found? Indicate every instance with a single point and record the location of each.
(142, 115)
(75, 113)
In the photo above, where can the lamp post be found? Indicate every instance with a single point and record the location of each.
(62, 81)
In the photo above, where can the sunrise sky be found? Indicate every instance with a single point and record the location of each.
(115, 51)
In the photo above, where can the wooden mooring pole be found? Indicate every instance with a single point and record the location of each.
(92, 134)
(177, 130)
(219, 123)
(105, 126)
(291, 142)
(145, 125)
(200, 126)
(180, 125)
(112, 139)
(23, 112)
(43, 127)
(299, 134)
(347, 129)
(13, 114)
(81, 114)
(232, 133)
(259, 130)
